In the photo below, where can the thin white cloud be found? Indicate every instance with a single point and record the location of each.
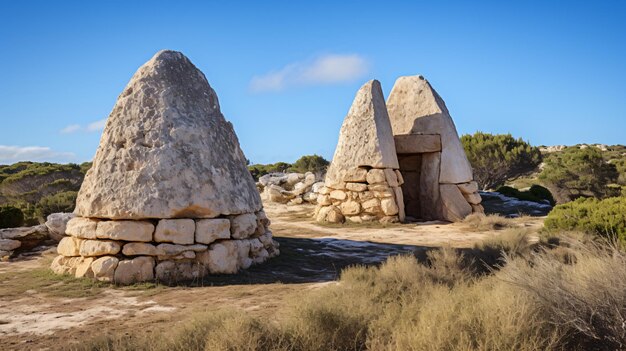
(11, 154)
(91, 127)
(96, 126)
(71, 129)
(327, 69)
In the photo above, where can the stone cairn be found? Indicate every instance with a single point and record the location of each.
(363, 183)
(169, 196)
(423, 126)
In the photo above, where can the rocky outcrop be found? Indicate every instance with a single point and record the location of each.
(169, 196)
(428, 145)
(362, 182)
(21, 239)
(290, 188)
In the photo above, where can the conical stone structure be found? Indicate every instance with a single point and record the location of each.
(428, 145)
(169, 196)
(362, 182)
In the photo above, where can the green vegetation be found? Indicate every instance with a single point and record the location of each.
(579, 172)
(498, 158)
(539, 296)
(11, 217)
(39, 189)
(307, 163)
(606, 218)
(536, 193)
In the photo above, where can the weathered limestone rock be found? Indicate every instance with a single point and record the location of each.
(468, 188)
(454, 205)
(209, 230)
(355, 175)
(83, 268)
(9, 244)
(125, 230)
(330, 214)
(57, 223)
(473, 199)
(389, 206)
(350, 208)
(338, 195)
(416, 108)
(375, 176)
(167, 151)
(90, 248)
(141, 249)
(103, 268)
(430, 196)
(365, 138)
(400, 203)
(69, 246)
(178, 231)
(391, 177)
(243, 226)
(139, 269)
(65, 265)
(222, 257)
(80, 227)
(356, 187)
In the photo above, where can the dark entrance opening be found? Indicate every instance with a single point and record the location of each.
(410, 168)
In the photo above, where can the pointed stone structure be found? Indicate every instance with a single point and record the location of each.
(169, 196)
(362, 180)
(438, 177)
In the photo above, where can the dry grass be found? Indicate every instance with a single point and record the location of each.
(481, 223)
(535, 300)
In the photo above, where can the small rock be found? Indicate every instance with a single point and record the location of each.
(209, 230)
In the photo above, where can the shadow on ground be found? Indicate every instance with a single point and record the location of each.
(312, 260)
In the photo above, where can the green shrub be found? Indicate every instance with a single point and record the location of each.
(606, 218)
(577, 172)
(310, 163)
(497, 158)
(536, 193)
(11, 217)
(59, 202)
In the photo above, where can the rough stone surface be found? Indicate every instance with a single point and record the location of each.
(139, 269)
(103, 268)
(222, 257)
(140, 249)
(355, 175)
(167, 151)
(209, 230)
(9, 244)
(417, 143)
(430, 198)
(57, 223)
(416, 108)
(243, 226)
(358, 187)
(83, 268)
(350, 208)
(90, 248)
(399, 202)
(468, 188)
(389, 206)
(125, 230)
(375, 176)
(365, 138)
(178, 231)
(80, 227)
(69, 246)
(473, 199)
(454, 205)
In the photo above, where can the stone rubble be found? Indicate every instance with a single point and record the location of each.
(168, 197)
(290, 188)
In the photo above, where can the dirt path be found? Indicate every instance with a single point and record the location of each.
(41, 311)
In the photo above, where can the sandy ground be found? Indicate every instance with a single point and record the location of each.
(312, 255)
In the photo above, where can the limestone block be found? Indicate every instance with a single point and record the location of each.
(80, 227)
(350, 208)
(176, 271)
(429, 195)
(140, 231)
(221, 258)
(260, 256)
(378, 187)
(399, 177)
(177, 231)
(400, 202)
(89, 248)
(324, 200)
(10, 245)
(355, 175)
(209, 230)
(330, 214)
(170, 250)
(243, 254)
(243, 226)
(83, 268)
(390, 177)
(473, 198)
(338, 195)
(65, 265)
(325, 190)
(69, 246)
(140, 249)
(262, 217)
(366, 195)
(103, 268)
(389, 206)
(356, 187)
(478, 209)
(139, 269)
(417, 143)
(57, 223)
(455, 207)
(375, 176)
(468, 188)
(372, 206)
(368, 218)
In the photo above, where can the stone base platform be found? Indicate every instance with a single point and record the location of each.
(166, 250)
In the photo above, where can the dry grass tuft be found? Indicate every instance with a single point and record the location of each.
(483, 223)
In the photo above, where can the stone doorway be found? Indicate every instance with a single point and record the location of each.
(419, 157)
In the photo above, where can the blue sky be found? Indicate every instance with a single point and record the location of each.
(286, 72)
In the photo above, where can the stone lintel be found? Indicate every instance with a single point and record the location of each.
(417, 143)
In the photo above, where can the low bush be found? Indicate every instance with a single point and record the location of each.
(536, 193)
(606, 218)
(11, 217)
